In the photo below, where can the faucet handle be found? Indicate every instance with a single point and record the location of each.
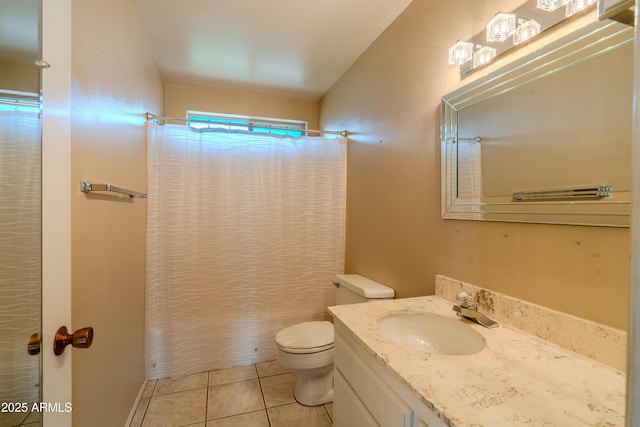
(464, 298)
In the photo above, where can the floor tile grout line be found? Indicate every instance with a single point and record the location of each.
(264, 401)
(326, 411)
(181, 391)
(153, 391)
(145, 411)
(206, 400)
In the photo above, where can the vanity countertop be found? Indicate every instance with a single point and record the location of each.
(518, 379)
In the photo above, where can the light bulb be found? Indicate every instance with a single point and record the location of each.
(501, 27)
(551, 5)
(525, 31)
(483, 55)
(460, 52)
(575, 6)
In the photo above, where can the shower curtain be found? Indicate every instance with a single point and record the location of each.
(245, 234)
(469, 169)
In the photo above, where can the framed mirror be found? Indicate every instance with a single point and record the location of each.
(547, 138)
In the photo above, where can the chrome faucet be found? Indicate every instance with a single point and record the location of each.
(469, 310)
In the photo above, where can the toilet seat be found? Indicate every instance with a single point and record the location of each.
(306, 337)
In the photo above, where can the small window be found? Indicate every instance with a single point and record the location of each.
(214, 122)
(19, 101)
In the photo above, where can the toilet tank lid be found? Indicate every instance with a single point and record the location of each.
(365, 287)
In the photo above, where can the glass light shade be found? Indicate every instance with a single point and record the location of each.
(501, 27)
(551, 5)
(575, 6)
(483, 55)
(525, 31)
(460, 52)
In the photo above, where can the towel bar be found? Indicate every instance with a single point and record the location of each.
(87, 187)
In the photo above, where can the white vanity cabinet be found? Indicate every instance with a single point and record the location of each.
(366, 394)
(516, 379)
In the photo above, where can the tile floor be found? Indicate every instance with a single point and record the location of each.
(258, 395)
(15, 419)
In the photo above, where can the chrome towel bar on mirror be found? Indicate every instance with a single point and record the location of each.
(475, 140)
(87, 187)
(587, 191)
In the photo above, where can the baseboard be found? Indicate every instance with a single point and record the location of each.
(132, 413)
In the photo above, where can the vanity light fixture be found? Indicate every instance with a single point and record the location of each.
(507, 30)
(501, 27)
(551, 5)
(460, 52)
(483, 56)
(575, 6)
(526, 30)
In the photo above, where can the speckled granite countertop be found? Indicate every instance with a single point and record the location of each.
(517, 380)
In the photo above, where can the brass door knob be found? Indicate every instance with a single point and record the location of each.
(33, 347)
(82, 338)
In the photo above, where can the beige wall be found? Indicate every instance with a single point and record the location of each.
(114, 82)
(180, 98)
(19, 76)
(390, 99)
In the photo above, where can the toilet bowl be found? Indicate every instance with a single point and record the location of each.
(307, 348)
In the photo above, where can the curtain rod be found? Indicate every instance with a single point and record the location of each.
(343, 133)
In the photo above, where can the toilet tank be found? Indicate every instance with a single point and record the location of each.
(353, 288)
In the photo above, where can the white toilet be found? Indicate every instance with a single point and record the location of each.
(307, 348)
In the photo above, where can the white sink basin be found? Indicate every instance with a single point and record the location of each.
(431, 333)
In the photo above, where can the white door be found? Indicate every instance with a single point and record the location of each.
(633, 363)
(34, 255)
(56, 209)
(34, 211)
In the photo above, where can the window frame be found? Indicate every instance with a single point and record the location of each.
(202, 121)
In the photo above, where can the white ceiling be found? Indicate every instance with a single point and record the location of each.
(295, 48)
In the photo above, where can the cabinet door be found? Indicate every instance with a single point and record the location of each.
(384, 405)
(348, 410)
(427, 414)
